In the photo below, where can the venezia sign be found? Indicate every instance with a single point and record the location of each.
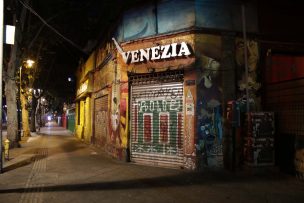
(168, 51)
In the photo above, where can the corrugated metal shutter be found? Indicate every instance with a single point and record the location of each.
(101, 120)
(284, 95)
(157, 120)
(286, 99)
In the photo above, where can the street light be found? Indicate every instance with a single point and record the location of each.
(26, 64)
(29, 63)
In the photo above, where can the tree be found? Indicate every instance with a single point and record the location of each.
(20, 51)
(9, 76)
(26, 94)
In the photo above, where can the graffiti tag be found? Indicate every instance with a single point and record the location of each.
(159, 105)
(167, 93)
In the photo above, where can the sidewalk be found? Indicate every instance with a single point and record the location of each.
(55, 167)
(25, 154)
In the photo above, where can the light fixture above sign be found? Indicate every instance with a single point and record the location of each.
(83, 87)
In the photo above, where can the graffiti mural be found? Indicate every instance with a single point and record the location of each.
(189, 163)
(157, 124)
(259, 142)
(115, 114)
(253, 84)
(124, 122)
(189, 135)
(101, 119)
(210, 128)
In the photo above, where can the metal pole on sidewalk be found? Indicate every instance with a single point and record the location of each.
(1, 64)
(245, 57)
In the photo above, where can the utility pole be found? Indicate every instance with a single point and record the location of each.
(1, 64)
(245, 56)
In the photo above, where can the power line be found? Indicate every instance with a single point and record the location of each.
(49, 26)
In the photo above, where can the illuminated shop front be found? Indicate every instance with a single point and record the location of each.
(162, 80)
(83, 113)
(161, 102)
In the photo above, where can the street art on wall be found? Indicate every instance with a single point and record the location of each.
(209, 108)
(108, 82)
(253, 57)
(210, 122)
(114, 147)
(189, 163)
(189, 136)
(124, 121)
(158, 127)
(259, 142)
(157, 121)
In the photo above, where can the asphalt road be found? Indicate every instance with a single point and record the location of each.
(56, 167)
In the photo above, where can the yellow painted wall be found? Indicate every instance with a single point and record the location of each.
(89, 64)
(87, 120)
(84, 127)
(79, 127)
(84, 107)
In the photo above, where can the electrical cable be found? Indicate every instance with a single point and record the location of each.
(49, 26)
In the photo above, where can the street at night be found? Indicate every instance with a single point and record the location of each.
(55, 167)
(151, 101)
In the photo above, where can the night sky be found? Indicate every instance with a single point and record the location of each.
(282, 20)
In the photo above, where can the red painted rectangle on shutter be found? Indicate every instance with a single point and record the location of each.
(163, 127)
(147, 128)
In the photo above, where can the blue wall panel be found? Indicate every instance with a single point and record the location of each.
(139, 22)
(175, 15)
(226, 15)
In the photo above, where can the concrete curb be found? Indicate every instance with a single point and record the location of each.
(18, 162)
(21, 156)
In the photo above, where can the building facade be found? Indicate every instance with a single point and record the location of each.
(83, 112)
(162, 80)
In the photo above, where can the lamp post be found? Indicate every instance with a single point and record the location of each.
(35, 113)
(19, 105)
(29, 64)
(26, 64)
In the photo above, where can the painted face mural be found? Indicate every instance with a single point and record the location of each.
(210, 71)
(253, 57)
(115, 113)
(123, 114)
(210, 114)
